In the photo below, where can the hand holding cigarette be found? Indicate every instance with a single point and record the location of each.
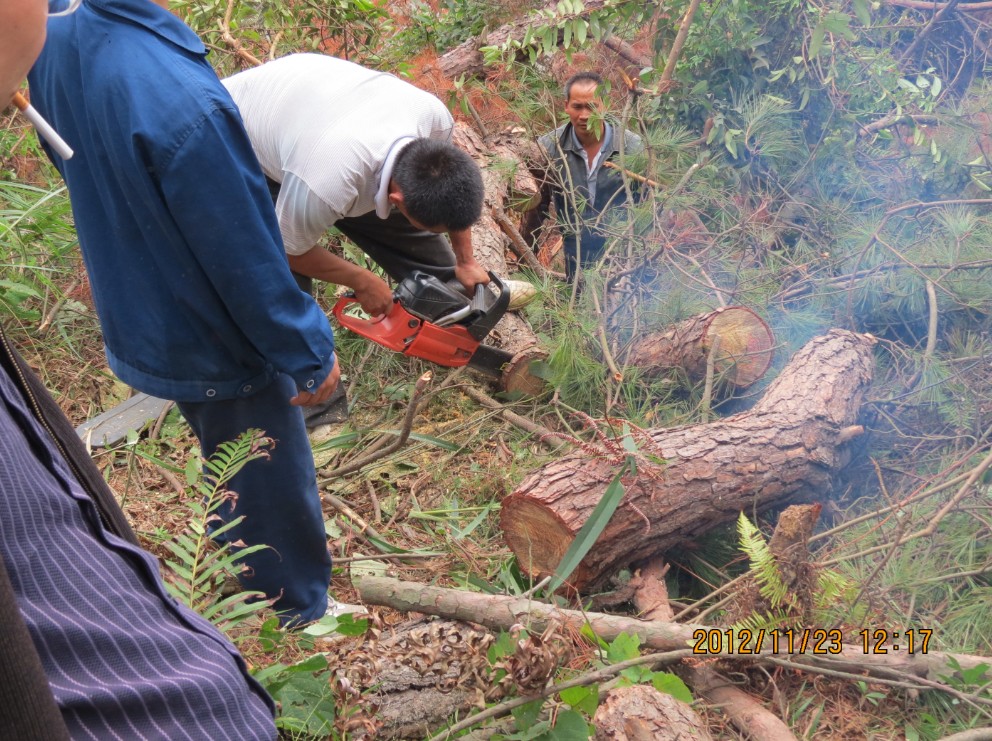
(44, 128)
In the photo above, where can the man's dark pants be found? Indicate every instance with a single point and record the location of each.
(280, 492)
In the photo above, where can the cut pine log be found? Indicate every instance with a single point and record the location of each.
(787, 448)
(745, 350)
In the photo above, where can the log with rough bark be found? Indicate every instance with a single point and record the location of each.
(786, 448)
(745, 349)
(498, 612)
(513, 334)
(642, 712)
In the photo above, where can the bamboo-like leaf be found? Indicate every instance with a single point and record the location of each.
(589, 532)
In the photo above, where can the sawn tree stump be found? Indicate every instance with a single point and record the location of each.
(786, 448)
(743, 354)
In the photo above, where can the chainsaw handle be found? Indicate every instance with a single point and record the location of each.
(391, 330)
(479, 299)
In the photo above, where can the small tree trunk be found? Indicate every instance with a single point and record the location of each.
(745, 351)
(787, 447)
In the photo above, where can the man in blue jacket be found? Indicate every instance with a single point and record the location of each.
(189, 277)
(91, 644)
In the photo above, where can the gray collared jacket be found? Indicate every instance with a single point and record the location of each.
(567, 172)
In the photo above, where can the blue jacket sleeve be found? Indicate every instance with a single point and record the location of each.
(226, 215)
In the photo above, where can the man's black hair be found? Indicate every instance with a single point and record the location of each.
(441, 185)
(580, 78)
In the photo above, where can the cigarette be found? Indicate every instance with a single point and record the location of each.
(43, 127)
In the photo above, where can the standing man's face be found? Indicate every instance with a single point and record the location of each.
(582, 102)
(22, 34)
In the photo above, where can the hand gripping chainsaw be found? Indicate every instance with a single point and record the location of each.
(435, 321)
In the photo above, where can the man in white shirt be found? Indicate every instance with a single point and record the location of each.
(365, 152)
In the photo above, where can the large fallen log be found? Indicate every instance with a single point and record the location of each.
(742, 342)
(786, 448)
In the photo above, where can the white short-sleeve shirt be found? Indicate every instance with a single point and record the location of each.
(328, 130)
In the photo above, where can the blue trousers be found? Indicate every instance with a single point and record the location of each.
(277, 497)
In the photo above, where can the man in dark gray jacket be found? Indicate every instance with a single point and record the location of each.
(583, 187)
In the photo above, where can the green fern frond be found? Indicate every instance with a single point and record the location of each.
(199, 567)
(831, 587)
(764, 569)
(769, 621)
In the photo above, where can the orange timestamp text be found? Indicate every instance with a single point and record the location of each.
(816, 641)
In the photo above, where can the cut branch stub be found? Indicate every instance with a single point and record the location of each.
(785, 449)
(745, 350)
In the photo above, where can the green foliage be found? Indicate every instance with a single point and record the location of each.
(568, 26)
(625, 647)
(453, 22)
(198, 567)
(303, 692)
(831, 587)
(36, 238)
(764, 568)
(356, 27)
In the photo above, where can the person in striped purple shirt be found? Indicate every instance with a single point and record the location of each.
(91, 644)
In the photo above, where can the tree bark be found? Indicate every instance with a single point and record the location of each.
(642, 713)
(513, 334)
(414, 677)
(786, 448)
(744, 712)
(745, 351)
(497, 612)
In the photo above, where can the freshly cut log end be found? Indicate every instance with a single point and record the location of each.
(746, 345)
(536, 533)
(518, 376)
(745, 351)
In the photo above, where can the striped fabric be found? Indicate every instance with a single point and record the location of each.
(123, 659)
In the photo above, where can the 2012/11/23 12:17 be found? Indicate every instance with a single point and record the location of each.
(806, 640)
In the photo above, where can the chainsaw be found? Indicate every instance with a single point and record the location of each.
(435, 321)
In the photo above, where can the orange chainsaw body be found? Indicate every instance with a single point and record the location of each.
(401, 331)
(436, 322)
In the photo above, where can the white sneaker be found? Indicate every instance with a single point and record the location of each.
(337, 609)
(521, 293)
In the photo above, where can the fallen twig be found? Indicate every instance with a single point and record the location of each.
(399, 442)
(543, 433)
(499, 612)
(517, 243)
(390, 557)
(49, 318)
